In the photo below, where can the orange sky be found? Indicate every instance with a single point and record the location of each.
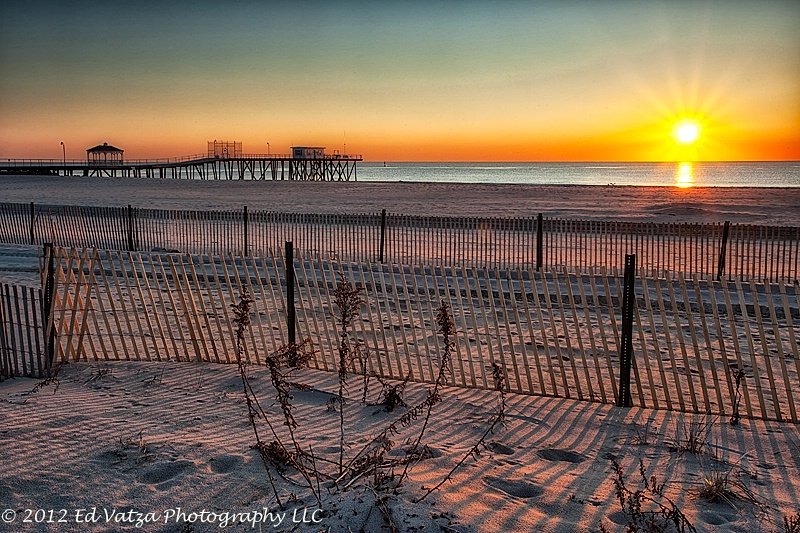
(425, 81)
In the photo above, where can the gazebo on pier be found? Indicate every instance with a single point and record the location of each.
(104, 154)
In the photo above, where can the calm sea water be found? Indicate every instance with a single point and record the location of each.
(739, 174)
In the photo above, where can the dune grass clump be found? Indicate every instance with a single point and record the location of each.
(722, 486)
(694, 436)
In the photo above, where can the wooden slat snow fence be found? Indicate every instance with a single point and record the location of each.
(22, 345)
(761, 253)
(553, 332)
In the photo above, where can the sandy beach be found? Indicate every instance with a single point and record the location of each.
(754, 205)
(127, 439)
(170, 443)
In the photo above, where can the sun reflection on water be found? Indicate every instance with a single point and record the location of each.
(684, 175)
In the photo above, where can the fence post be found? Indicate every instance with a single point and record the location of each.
(130, 229)
(626, 351)
(383, 234)
(288, 267)
(33, 224)
(723, 250)
(246, 247)
(47, 305)
(539, 241)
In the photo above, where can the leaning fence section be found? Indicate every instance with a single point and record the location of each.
(22, 327)
(553, 332)
(761, 253)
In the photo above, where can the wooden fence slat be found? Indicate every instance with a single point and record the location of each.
(166, 289)
(380, 324)
(578, 330)
(86, 308)
(543, 327)
(412, 327)
(736, 346)
(520, 326)
(669, 343)
(780, 354)
(565, 327)
(461, 340)
(281, 294)
(645, 356)
(695, 344)
(260, 317)
(184, 312)
(202, 311)
(373, 333)
(698, 294)
(592, 340)
(254, 309)
(478, 331)
(507, 326)
(713, 286)
(218, 306)
(144, 305)
(269, 303)
(555, 336)
(765, 350)
(751, 346)
(531, 331)
(397, 316)
(18, 361)
(425, 308)
(657, 350)
(317, 340)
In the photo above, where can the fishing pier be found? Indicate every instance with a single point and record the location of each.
(223, 161)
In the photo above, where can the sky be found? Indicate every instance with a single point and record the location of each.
(404, 81)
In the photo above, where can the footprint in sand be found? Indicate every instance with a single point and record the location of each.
(225, 463)
(500, 448)
(162, 472)
(716, 519)
(518, 488)
(553, 454)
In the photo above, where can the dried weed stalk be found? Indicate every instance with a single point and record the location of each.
(447, 329)
(348, 300)
(370, 458)
(738, 376)
(49, 380)
(663, 514)
(791, 524)
(280, 364)
(241, 311)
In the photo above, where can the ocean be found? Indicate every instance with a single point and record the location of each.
(726, 174)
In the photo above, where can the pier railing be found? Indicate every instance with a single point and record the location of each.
(744, 251)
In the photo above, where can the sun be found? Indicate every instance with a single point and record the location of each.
(686, 131)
